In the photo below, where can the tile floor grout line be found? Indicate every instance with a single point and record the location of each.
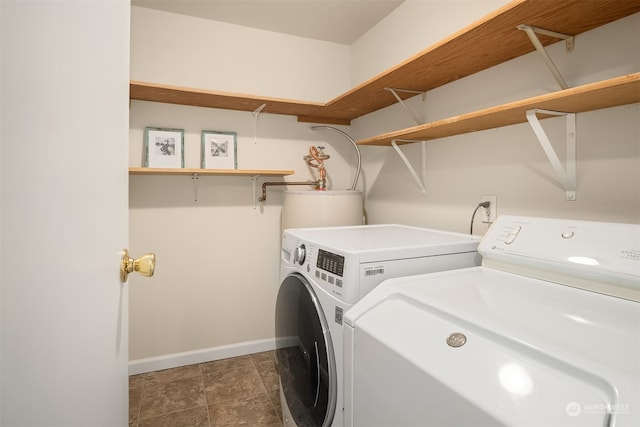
(266, 389)
(144, 387)
(144, 378)
(273, 405)
(206, 399)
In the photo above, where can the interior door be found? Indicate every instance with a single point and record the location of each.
(64, 217)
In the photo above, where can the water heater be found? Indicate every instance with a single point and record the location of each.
(302, 209)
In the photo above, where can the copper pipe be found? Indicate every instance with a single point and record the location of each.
(319, 183)
(315, 153)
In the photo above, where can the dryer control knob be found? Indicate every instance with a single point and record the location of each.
(299, 254)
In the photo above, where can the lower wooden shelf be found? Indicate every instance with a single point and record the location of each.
(214, 172)
(604, 94)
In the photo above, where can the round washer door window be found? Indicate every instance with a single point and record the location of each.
(304, 354)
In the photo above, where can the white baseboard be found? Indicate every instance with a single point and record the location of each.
(141, 366)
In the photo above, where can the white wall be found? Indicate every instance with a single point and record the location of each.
(217, 277)
(412, 27)
(218, 261)
(217, 257)
(508, 162)
(185, 51)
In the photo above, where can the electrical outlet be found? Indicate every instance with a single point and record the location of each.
(489, 215)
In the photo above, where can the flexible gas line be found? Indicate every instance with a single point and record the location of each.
(355, 146)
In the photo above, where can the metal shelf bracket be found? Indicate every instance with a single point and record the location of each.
(256, 115)
(395, 91)
(569, 42)
(566, 176)
(419, 181)
(254, 190)
(195, 178)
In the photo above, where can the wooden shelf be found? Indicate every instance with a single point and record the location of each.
(483, 44)
(214, 99)
(215, 172)
(609, 93)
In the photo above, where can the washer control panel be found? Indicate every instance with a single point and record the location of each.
(326, 267)
(587, 250)
(300, 254)
(512, 234)
(330, 262)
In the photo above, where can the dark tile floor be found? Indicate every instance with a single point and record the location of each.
(240, 390)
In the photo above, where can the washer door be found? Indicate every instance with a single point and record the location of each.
(304, 354)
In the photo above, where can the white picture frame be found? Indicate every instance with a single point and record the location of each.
(164, 148)
(218, 150)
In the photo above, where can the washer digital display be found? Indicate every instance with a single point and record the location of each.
(330, 262)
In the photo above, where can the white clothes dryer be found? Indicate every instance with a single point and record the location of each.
(324, 271)
(545, 333)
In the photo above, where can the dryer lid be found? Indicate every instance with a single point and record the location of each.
(535, 353)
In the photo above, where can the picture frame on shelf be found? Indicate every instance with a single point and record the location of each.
(219, 150)
(164, 148)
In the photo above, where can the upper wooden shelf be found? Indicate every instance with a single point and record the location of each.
(208, 98)
(216, 172)
(609, 93)
(492, 40)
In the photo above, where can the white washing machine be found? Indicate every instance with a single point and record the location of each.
(545, 333)
(324, 271)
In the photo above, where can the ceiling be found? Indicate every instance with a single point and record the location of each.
(338, 21)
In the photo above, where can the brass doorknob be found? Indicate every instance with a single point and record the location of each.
(144, 265)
